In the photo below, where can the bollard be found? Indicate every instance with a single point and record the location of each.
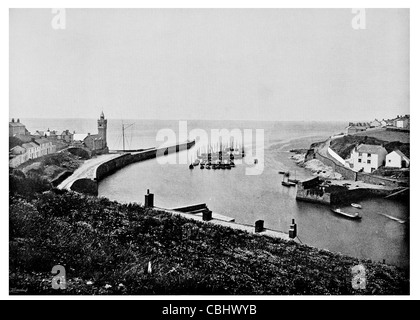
(207, 215)
(293, 230)
(259, 226)
(149, 199)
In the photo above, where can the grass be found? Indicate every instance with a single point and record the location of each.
(106, 248)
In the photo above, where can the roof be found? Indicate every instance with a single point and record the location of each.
(16, 124)
(17, 148)
(402, 155)
(369, 148)
(79, 136)
(42, 141)
(94, 136)
(30, 145)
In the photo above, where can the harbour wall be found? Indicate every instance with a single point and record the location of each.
(316, 195)
(89, 186)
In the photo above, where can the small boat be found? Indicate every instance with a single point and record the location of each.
(191, 166)
(295, 181)
(356, 205)
(196, 162)
(201, 166)
(282, 172)
(354, 216)
(288, 184)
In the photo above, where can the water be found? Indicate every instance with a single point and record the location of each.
(379, 235)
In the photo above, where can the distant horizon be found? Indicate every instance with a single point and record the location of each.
(151, 119)
(252, 64)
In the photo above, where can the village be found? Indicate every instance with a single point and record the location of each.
(369, 159)
(25, 146)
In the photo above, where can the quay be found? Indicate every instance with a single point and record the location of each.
(341, 191)
(221, 220)
(86, 178)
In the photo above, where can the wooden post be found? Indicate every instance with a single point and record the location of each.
(293, 230)
(207, 215)
(149, 199)
(259, 226)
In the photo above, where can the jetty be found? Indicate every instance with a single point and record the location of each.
(200, 210)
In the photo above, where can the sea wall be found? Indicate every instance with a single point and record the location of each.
(89, 186)
(86, 186)
(347, 173)
(332, 198)
(312, 195)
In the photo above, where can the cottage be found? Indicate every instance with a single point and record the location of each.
(375, 123)
(66, 136)
(367, 158)
(33, 150)
(355, 128)
(402, 122)
(397, 159)
(45, 147)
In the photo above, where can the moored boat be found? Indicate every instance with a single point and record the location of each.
(288, 184)
(356, 205)
(354, 216)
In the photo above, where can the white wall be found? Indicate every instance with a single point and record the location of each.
(333, 154)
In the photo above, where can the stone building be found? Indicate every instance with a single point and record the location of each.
(17, 128)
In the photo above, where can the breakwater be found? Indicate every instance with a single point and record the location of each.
(86, 179)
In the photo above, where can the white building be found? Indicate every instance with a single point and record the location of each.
(402, 122)
(367, 158)
(30, 150)
(397, 159)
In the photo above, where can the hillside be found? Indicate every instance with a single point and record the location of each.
(344, 146)
(106, 248)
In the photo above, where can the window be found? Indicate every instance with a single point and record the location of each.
(368, 161)
(360, 160)
(360, 154)
(389, 160)
(369, 155)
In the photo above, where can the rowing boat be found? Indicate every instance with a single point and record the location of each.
(355, 216)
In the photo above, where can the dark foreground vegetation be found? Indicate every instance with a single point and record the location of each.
(112, 248)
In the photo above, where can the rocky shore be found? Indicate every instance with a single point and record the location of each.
(316, 167)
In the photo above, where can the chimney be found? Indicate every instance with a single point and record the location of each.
(88, 133)
(13, 119)
(18, 120)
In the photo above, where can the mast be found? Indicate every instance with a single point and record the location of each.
(123, 132)
(123, 137)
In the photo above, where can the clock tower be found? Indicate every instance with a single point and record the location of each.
(102, 125)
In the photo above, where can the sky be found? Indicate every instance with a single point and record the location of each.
(210, 64)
